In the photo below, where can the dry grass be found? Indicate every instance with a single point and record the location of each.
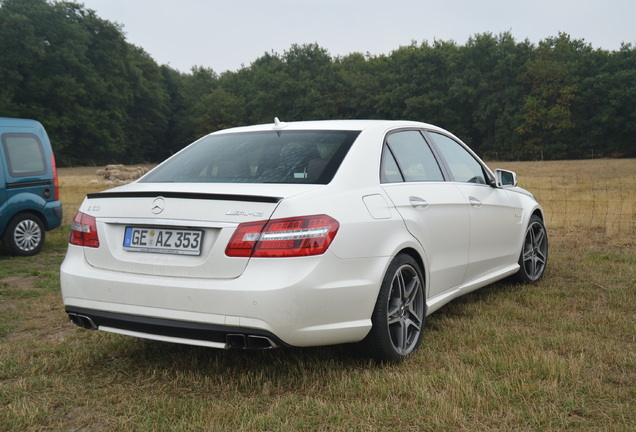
(557, 356)
(75, 183)
(598, 194)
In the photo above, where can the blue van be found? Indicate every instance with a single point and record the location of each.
(29, 196)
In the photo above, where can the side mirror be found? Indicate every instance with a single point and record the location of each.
(505, 178)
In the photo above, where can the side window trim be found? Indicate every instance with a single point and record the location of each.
(388, 153)
(437, 156)
(441, 163)
(446, 172)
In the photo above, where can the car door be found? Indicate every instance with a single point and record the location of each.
(495, 223)
(433, 209)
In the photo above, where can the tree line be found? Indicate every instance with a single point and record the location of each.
(105, 100)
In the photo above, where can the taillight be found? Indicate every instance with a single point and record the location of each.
(84, 231)
(56, 185)
(293, 237)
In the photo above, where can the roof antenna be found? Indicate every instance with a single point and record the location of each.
(279, 124)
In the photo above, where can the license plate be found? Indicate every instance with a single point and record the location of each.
(163, 240)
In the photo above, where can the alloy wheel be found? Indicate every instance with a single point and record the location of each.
(535, 251)
(405, 311)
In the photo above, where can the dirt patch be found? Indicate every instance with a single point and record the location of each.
(20, 282)
(59, 332)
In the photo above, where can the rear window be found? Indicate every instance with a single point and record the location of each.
(311, 157)
(25, 155)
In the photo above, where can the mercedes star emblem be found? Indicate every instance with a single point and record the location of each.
(158, 205)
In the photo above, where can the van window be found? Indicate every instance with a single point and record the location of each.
(24, 153)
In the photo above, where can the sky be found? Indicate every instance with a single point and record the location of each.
(230, 34)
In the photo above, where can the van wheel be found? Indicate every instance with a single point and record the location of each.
(24, 235)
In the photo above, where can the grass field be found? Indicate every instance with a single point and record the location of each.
(556, 356)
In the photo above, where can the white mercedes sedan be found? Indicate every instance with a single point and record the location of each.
(300, 234)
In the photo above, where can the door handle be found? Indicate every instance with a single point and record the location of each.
(474, 202)
(418, 202)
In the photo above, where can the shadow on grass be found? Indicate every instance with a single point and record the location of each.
(467, 306)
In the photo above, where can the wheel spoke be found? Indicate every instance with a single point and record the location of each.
(404, 339)
(527, 254)
(394, 313)
(411, 289)
(411, 306)
(396, 334)
(415, 320)
(530, 263)
(541, 258)
(400, 285)
(539, 238)
(415, 324)
(398, 330)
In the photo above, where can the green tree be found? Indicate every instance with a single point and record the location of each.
(193, 94)
(357, 94)
(606, 113)
(105, 100)
(218, 110)
(486, 88)
(311, 83)
(554, 82)
(434, 83)
(100, 98)
(146, 120)
(262, 87)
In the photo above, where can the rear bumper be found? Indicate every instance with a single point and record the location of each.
(211, 335)
(307, 301)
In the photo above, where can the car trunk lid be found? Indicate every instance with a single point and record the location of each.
(138, 226)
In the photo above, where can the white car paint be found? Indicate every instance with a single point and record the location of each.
(464, 236)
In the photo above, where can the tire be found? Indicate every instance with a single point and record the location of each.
(534, 252)
(24, 235)
(399, 314)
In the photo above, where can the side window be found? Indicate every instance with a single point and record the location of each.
(463, 166)
(24, 153)
(407, 157)
(389, 172)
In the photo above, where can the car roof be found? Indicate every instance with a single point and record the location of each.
(348, 125)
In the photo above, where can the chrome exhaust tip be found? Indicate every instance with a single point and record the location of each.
(249, 342)
(235, 341)
(260, 343)
(82, 321)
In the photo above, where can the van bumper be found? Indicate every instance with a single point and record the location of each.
(53, 213)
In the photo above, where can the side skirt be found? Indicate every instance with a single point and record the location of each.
(443, 298)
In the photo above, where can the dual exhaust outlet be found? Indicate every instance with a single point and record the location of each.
(249, 342)
(82, 321)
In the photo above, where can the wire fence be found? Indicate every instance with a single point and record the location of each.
(606, 204)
